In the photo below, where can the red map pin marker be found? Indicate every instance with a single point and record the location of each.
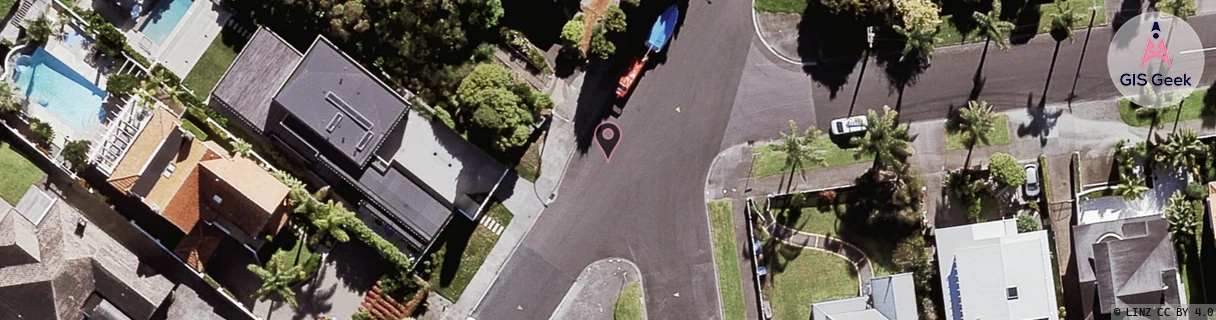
(608, 135)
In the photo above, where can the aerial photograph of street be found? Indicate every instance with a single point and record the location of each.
(607, 159)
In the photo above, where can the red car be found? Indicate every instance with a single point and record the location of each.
(626, 83)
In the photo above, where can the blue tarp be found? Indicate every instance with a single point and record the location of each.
(663, 27)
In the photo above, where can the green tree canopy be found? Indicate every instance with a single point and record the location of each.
(799, 149)
(993, 27)
(277, 278)
(920, 21)
(572, 33)
(1005, 170)
(1026, 223)
(1181, 149)
(1064, 20)
(600, 46)
(886, 139)
(1179, 8)
(614, 19)
(76, 153)
(498, 104)
(1184, 220)
(39, 29)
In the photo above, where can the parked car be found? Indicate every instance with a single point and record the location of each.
(1032, 186)
(849, 125)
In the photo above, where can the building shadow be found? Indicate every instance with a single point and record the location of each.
(454, 240)
(356, 265)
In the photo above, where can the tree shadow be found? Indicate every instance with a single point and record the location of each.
(1128, 9)
(1209, 110)
(356, 264)
(1042, 121)
(540, 21)
(960, 14)
(901, 71)
(313, 302)
(595, 102)
(1025, 20)
(830, 57)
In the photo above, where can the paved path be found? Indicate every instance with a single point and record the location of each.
(812, 241)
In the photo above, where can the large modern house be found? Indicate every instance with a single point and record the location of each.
(990, 271)
(55, 265)
(1124, 262)
(207, 196)
(891, 297)
(357, 135)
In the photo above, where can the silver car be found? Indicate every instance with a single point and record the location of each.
(1032, 186)
(849, 125)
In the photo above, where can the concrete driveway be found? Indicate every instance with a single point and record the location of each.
(337, 288)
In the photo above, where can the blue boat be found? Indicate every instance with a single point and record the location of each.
(663, 28)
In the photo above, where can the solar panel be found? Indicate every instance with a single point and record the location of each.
(333, 124)
(367, 137)
(341, 104)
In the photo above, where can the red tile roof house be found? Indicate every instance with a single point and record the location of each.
(201, 190)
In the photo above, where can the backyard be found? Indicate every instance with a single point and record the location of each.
(800, 277)
(769, 162)
(214, 62)
(19, 174)
(465, 245)
(730, 282)
(823, 220)
(998, 136)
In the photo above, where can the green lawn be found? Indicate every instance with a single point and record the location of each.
(817, 220)
(730, 283)
(212, 65)
(7, 6)
(1192, 108)
(628, 305)
(769, 162)
(950, 35)
(821, 220)
(194, 129)
(297, 249)
(998, 136)
(787, 6)
(19, 174)
(479, 243)
(529, 165)
(813, 276)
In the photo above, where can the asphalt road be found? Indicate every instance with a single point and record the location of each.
(1014, 79)
(647, 205)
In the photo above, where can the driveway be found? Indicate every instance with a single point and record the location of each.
(337, 288)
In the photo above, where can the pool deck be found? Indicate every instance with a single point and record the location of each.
(75, 58)
(188, 40)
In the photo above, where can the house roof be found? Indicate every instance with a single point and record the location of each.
(406, 200)
(826, 310)
(1125, 261)
(891, 297)
(443, 160)
(18, 243)
(251, 180)
(75, 264)
(980, 262)
(199, 245)
(341, 102)
(256, 76)
(144, 146)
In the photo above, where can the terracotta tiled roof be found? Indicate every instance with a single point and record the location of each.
(198, 245)
(252, 182)
(187, 158)
(145, 145)
(183, 210)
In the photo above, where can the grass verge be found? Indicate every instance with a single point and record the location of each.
(212, 65)
(730, 282)
(194, 129)
(7, 6)
(529, 165)
(808, 277)
(1043, 179)
(769, 162)
(950, 35)
(19, 174)
(628, 305)
(465, 247)
(787, 6)
(998, 136)
(1192, 108)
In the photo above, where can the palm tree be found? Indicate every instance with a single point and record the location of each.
(1131, 187)
(974, 123)
(922, 40)
(1181, 150)
(961, 185)
(277, 278)
(886, 139)
(799, 150)
(40, 29)
(1179, 8)
(330, 222)
(9, 97)
(1183, 220)
(240, 147)
(993, 28)
(1063, 21)
(63, 20)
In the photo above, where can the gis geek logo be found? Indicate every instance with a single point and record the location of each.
(1165, 69)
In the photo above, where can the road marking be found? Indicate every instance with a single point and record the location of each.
(677, 109)
(1196, 50)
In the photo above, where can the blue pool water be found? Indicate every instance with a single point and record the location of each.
(163, 18)
(49, 82)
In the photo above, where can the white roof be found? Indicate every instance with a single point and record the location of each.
(979, 262)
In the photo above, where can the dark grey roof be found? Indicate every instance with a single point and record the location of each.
(155, 167)
(256, 76)
(397, 194)
(18, 243)
(1124, 262)
(327, 85)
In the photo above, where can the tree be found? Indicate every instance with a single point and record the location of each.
(498, 106)
(1006, 170)
(76, 153)
(122, 84)
(9, 98)
(631, 3)
(614, 19)
(974, 122)
(330, 222)
(39, 29)
(800, 149)
(572, 32)
(962, 185)
(920, 22)
(1063, 21)
(277, 278)
(63, 20)
(910, 255)
(1184, 220)
(1026, 223)
(600, 46)
(1131, 187)
(1179, 8)
(992, 27)
(1181, 149)
(240, 147)
(45, 134)
(860, 9)
(886, 139)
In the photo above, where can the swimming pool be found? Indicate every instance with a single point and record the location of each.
(163, 18)
(52, 84)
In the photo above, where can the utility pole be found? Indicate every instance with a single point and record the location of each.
(865, 59)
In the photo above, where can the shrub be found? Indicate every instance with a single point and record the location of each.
(600, 46)
(1026, 223)
(43, 131)
(1196, 191)
(1006, 170)
(614, 19)
(76, 153)
(445, 117)
(572, 32)
(121, 84)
